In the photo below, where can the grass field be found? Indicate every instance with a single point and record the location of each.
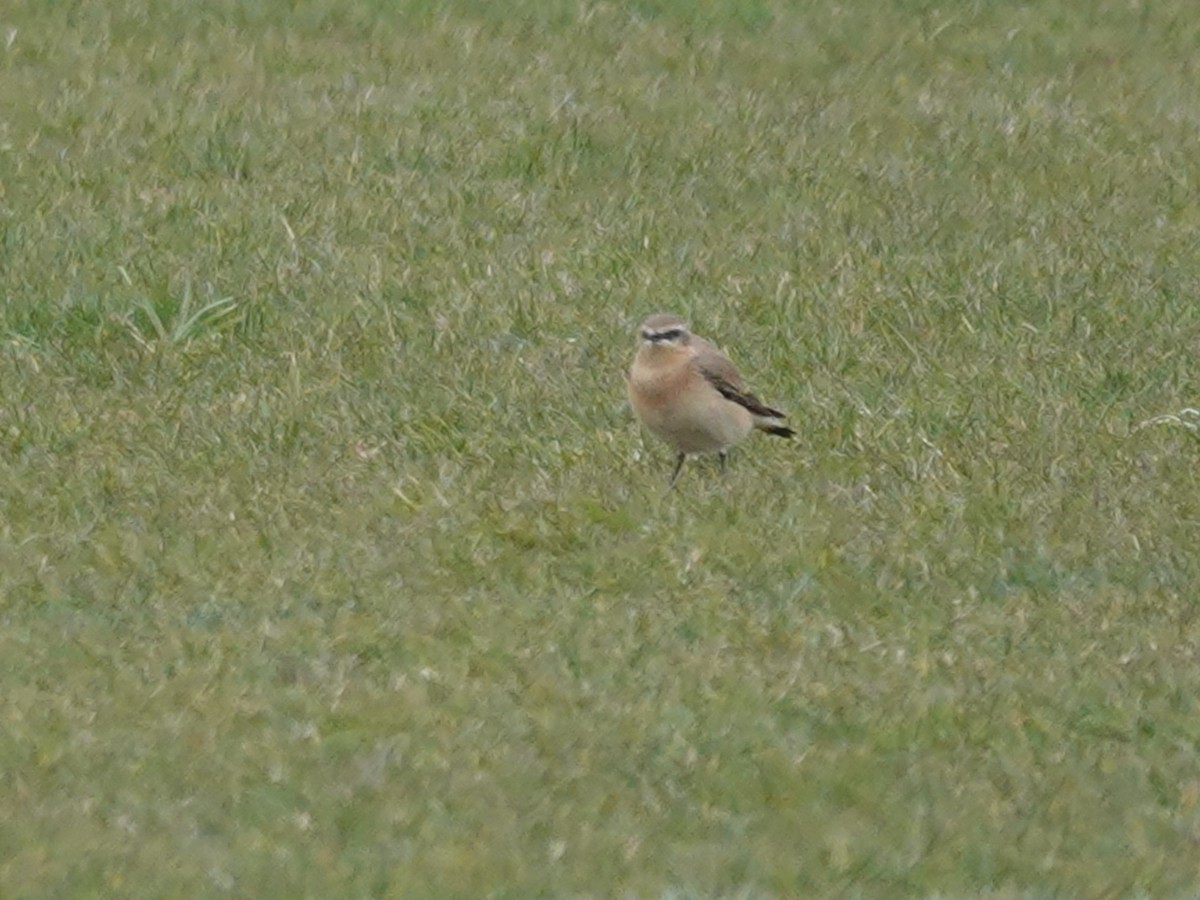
(333, 564)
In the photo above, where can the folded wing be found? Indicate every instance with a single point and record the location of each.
(721, 374)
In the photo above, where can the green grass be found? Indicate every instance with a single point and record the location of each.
(332, 563)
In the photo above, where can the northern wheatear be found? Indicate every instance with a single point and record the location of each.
(688, 393)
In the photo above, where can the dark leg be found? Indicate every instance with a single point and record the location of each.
(678, 468)
(724, 455)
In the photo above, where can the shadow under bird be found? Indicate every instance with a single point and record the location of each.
(689, 394)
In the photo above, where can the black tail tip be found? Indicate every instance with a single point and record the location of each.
(779, 431)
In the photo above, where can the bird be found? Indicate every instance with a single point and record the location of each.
(689, 394)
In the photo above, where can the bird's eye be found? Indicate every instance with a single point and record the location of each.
(673, 334)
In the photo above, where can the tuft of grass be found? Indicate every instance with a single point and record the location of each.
(1188, 419)
(332, 563)
(171, 324)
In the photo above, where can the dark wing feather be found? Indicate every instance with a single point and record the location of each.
(742, 397)
(721, 374)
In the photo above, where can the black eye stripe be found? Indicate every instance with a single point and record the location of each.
(656, 336)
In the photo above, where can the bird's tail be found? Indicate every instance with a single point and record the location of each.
(773, 426)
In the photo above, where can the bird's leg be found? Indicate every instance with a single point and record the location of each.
(678, 468)
(724, 457)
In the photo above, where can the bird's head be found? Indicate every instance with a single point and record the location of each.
(664, 330)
